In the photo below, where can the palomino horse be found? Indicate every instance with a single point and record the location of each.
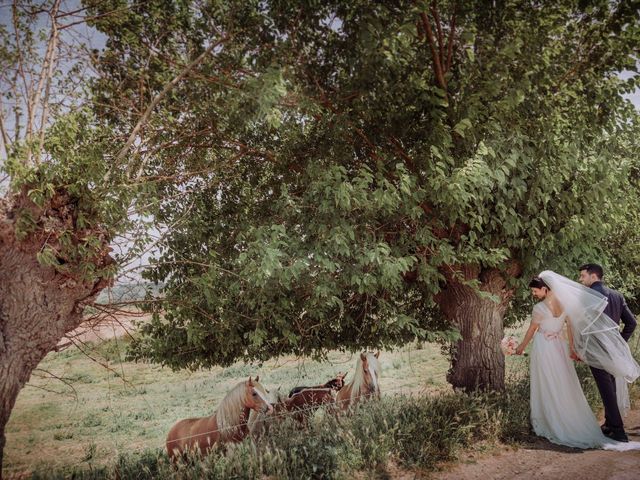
(334, 384)
(227, 424)
(364, 384)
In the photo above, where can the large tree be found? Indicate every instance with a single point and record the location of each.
(66, 191)
(57, 212)
(369, 173)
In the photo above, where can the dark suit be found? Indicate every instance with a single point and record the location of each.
(618, 310)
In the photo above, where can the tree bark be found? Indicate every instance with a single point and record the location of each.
(38, 304)
(477, 362)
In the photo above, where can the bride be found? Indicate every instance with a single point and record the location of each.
(559, 409)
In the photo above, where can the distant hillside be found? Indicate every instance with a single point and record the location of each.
(127, 292)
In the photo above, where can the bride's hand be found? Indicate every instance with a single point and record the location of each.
(519, 350)
(574, 356)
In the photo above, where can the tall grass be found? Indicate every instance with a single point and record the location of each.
(414, 432)
(131, 406)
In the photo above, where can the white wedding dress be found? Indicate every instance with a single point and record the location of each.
(559, 409)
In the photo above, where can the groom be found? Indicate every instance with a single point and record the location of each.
(591, 276)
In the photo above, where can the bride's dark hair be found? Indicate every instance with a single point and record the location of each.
(537, 282)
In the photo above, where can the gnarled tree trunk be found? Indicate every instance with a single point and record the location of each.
(477, 361)
(38, 305)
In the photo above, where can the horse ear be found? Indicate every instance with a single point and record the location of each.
(250, 382)
(257, 378)
(363, 357)
(377, 354)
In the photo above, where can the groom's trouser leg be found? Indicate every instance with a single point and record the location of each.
(607, 387)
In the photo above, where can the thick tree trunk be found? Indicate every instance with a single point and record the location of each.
(477, 361)
(37, 304)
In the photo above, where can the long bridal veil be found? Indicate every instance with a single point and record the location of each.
(596, 337)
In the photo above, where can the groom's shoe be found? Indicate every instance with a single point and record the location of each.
(606, 430)
(618, 436)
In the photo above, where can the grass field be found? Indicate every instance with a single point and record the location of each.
(108, 413)
(102, 412)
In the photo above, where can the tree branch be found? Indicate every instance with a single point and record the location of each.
(95, 17)
(50, 63)
(3, 130)
(405, 156)
(593, 56)
(452, 29)
(436, 58)
(20, 70)
(33, 97)
(436, 17)
(157, 99)
(372, 147)
(53, 375)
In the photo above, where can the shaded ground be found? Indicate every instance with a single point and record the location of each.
(544, 460)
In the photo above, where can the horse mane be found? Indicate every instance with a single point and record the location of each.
(357, 382)
(229, 412)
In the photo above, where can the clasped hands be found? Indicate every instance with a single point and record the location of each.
(574, 356)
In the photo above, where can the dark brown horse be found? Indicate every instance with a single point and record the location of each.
(227, 424)
(305, 402)
(334, 384)
(299, 407)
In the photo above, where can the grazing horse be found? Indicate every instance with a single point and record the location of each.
(299, 407)
(334, 384)
(227, 424)
(307, 401)
(364, 384)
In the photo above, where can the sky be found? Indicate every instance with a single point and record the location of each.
(72, 39)
(634, 97)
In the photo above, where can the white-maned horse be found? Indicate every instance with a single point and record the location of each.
(365, 383)
(227, 424)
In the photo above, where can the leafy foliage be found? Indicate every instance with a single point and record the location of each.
(326, 168)
(75, 211)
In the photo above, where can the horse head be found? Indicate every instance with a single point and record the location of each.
(339, 380)
(256, 397)
(370, 372)
(337, 383)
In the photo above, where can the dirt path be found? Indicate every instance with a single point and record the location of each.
(544, 460)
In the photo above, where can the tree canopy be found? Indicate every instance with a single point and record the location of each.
(328, 172)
